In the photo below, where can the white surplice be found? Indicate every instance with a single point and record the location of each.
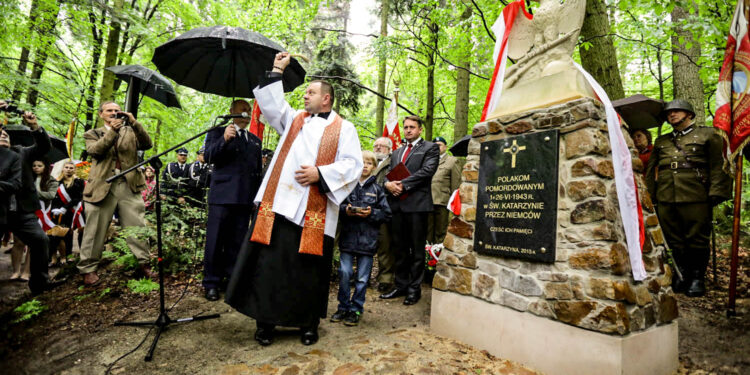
(341, 176)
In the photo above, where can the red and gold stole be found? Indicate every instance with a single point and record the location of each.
(315, 213)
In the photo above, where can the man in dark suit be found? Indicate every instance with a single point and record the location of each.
(411, 202)
(236, 156)
(22, 199)
(200, 178)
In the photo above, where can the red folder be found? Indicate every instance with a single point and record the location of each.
(398, 173)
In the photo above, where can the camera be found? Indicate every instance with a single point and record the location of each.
(356, 210)
(122, 115)
(12, 108)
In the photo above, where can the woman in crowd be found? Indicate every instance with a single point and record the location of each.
(67, 211)
(46, 187)
(642, 141)
(149, 193)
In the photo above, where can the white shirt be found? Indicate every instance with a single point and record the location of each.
(406, 144)
(341, 176)
(236, 127)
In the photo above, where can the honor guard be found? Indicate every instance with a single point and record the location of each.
(200, 178)
(174, 178)
(685, 178)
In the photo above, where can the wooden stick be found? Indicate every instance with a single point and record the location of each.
(735, 238)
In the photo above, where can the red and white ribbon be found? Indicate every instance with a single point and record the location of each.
(44, 219)
(78, 221)
(63, 194)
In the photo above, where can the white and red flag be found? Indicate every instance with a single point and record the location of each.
(454, 203)
(732, 90)
(502, 27)
(256, 127)
(391, 124)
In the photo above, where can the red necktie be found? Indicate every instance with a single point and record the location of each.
(406, 154)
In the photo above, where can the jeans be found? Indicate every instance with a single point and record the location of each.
(364, 266)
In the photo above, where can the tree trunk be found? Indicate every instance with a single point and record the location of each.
(686, 80)
(96, 54)
(46, 35)
(25, 53)
(110, 57)
(429, 117)
(380, 105)
(601, 58)
(461, 126)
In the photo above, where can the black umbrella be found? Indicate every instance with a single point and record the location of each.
(640, 111)
(223, 60)
(150, 83)
(461, 147)
(21, 135)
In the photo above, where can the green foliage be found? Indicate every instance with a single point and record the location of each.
(183, 236)
(142, 286)
(28, 310)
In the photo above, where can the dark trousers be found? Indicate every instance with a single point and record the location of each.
(687, 229)
(227, 225)
(409, 234)
(25, 226)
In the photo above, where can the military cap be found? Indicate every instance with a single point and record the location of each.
(202, 150)
(440, 139)
(680, 105)
(182, 151)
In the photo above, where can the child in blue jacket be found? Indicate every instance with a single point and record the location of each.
(362, 212)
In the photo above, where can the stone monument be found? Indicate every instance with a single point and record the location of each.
(535, 268)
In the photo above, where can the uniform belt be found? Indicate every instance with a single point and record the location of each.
(685, 165)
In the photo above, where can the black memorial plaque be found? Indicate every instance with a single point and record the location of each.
(517, 198)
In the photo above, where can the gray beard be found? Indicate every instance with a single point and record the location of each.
(380, 156)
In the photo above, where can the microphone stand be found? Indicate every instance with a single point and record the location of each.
(163, 321)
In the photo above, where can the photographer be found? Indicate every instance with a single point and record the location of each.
(113, 148)
(23, 201)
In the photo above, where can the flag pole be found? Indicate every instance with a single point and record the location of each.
(735, 237)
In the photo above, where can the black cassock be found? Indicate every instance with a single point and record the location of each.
(275, 284)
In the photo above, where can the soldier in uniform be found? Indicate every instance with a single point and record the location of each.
(200, 178)
(685, 177)
(444, 182)
(175, 177)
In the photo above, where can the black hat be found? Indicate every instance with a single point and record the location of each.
(680, 105)
(182, 151)
(202, 150)
(440, 139)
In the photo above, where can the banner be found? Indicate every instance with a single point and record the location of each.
(732, 90)
(391, 129)
(256, 127)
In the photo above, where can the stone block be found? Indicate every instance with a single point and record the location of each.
(583, 167)
(520, 126)
(646, 202)
(585, 141)
(657, 236)
(648, 246)
(584, 111)
(573, 312)
(552, 276)
(469, 261)
(591, 211)
(508, 262)
(469, 213)
(649, 316)
(612, 319)
(637, 165)
(541, 308)
(528, 286)
(490, 268)
(461, 228)
(652, 220)
(590, 259)
(460, 281)
(457, 245)
(605, 169)
(514, 301)
(440, 282)
(470, 176)
(600, 288)
(605, 231)
(667, 308)
(474, 146)
(620, 259)
(484, 285)
(637, 319)
(548, 120)
(468, 193)
(450, 259)
(583, 189)
(507, 278)
(558, 291)
(495, 127)
(479, 130)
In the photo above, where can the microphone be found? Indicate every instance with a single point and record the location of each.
(238, 115)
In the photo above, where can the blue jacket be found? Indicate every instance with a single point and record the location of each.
(360, 235)
(237, 168)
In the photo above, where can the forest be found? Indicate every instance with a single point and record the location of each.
(438, 52)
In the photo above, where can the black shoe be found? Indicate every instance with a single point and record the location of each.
(264, 336)
(411, 299)
(309, 336)
(352, 319)
(384, 287)
(697, 289)
(395, 292)
(338, 316)
(212, 294)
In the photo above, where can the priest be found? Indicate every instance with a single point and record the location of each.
(282, 273)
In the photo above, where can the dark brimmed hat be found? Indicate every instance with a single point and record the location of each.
(202, 150)
(182, 151)
(440, 139)
(678, 105)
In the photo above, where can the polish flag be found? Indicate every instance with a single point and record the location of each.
(454, 203)
(256, 127)
(391, 124)
(502, 27)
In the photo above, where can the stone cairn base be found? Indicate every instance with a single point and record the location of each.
(590, 284)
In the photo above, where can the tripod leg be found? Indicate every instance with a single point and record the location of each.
(150, 354)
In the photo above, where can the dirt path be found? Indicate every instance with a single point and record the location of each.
(75, 336)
